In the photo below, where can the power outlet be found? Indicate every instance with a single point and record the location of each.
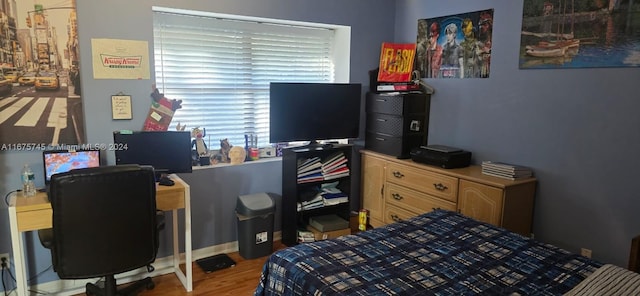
(585, 252)
(8, 259)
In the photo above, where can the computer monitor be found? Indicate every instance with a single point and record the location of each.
(167, 151)
(60, 161)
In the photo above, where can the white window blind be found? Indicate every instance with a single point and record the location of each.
(221, 69)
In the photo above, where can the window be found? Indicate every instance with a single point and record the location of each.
(220, 66)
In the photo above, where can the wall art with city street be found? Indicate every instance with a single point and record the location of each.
(40, 102)
(455, 46)
(580, 34)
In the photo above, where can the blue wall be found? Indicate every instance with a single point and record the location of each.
(577, 128)
(213, 191)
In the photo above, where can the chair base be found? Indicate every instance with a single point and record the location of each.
(110, 288)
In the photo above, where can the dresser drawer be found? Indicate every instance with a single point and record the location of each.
(401, 105)
(396, 126)
(399, 147)
(434, 184)
(394, 214)
(414, 200)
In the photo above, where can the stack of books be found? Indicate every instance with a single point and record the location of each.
(316, 169)
(305, 236)
(310, 170)
(327, 194)
(335, 166)
(331, 195)
(316, 202)
(505, 170)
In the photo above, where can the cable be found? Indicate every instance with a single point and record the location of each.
(4, 285)
(6, 197)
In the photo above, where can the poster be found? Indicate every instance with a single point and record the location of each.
(40, 98)
(396, 62)
(120, 59)
(455, 46)
(579, 34)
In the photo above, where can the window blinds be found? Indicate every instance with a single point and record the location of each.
(221, 70)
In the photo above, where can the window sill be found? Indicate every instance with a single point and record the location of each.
(220, 165)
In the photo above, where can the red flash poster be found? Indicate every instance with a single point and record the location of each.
(396, 62)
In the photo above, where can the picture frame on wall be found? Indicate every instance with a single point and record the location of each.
(43, 104)
(566, 34)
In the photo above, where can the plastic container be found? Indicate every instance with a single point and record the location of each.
(28, 181)
(255, 225)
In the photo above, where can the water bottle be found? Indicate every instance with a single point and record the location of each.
(28, 185)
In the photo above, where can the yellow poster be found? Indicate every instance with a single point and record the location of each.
(120, 59)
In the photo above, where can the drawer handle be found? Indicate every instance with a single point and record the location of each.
(381, 120)
(395, 218)
(397, 196)
(398, 174)
(440, 187)
(380, 139)
(380, 100)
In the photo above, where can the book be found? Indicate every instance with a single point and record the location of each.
(517, 174)
(502, 176)
(504, 166)
(332, 158)
(336, 165)
(309, 164)
(396, 62)
(398, 86)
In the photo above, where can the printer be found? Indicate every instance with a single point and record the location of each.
(442, 156)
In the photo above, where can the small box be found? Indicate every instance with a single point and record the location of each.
(327, 223)
(319, 235)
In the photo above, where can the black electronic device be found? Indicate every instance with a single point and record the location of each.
(166, 181)
(442, 156)
(313, 111)
(166, 151)
(60, 161)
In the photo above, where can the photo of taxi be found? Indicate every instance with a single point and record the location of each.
(28, 78)
(47, 80)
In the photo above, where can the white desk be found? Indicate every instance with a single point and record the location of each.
(33, 213)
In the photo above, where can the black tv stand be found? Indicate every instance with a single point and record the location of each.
(315, 145)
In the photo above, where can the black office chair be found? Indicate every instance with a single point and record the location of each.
(104, 223)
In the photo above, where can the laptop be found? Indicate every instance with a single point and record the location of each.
(60, 161)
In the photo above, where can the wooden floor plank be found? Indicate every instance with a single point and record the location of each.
(241, 279)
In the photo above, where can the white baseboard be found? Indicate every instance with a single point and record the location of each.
(162, 266)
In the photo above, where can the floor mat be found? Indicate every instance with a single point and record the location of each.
(217, 262)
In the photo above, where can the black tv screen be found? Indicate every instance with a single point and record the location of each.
(313, 111)
(167, 151)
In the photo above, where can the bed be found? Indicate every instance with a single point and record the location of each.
(437, 253)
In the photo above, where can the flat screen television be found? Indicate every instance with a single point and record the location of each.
(313, 111)
(167, 151)
(60, 161)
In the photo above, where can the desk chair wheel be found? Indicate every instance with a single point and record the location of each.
(150, 285)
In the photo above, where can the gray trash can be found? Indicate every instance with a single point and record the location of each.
(255, 225)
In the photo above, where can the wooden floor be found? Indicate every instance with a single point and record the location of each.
(241, 279)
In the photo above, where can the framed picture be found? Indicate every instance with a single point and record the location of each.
(579, 34)
(121, 107)
(43, 103)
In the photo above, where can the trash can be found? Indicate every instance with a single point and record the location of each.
(255, 225)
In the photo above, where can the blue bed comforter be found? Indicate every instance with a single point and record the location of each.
(438, 253)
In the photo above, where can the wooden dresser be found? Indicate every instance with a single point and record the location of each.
(395, 189)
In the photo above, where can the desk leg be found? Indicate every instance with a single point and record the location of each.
(18, 258)
(187, 239)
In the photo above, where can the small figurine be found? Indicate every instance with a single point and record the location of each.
(180, 127)
(159, 98)
(223, 154)
(198, 142)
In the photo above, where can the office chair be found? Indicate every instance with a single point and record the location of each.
(104, 223)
